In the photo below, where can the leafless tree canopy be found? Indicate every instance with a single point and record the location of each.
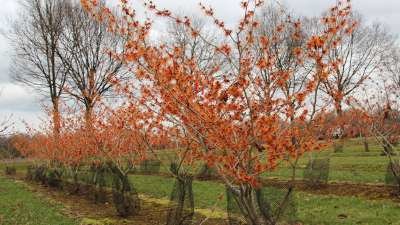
(361, 55)
(283, 47)
(85, 53)
(392, 64)
(61, 51)
(5, 125)
(35, 36)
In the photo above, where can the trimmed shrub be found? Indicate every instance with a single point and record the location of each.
(10, 171)
(150, 167)
(54, 178)
(393, 173)
(316, 173)
(206, 172)
(125, 197)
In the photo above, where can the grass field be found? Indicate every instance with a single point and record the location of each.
(353, 165)
(312, 209)
(19, 206)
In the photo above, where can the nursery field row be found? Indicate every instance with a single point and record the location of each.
(318, 208)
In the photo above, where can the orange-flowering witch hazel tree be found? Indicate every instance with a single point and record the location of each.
(117, 140)
(239, 116)
(120, 139)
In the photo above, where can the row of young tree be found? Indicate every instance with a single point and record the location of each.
(240, 100)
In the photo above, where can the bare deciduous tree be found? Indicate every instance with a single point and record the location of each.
(198, 49)
(360, 56)
(85, 52)
(35, 36)
(392, 64)
(357, 58)
(5, 125)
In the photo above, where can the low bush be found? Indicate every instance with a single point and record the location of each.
(125, 197)
(393, 174)
(54, 177)
(150, 167)
(316, 173)
(10, 171)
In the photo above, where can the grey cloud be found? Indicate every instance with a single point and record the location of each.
(21, 102)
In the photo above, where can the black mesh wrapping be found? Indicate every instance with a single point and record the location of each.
(181, 208)
(272, 206)
(125, 197)
(150, 167)
(316, 173)
(393, 173)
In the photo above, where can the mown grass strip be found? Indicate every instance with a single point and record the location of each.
(19, 206)
(312, 209)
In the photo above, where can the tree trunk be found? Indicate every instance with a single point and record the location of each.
(250, 208)
(339, 145)
(98, 182)
(89, 116)
(366, 146)
(395, 169)
(56, 118)
(126, 200)
(181, 208)
(75, 179)
(387, 148)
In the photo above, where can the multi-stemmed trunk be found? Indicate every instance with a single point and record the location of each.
(394, 169)
(249, 206)
(181, 210)
(126, 200)
(365, 142)
(98, 183)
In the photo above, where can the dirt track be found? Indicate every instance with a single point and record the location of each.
(367, 191)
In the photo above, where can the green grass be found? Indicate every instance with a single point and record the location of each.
(161, 187)
(315, 209)
(18, 206)
(353, 165)
(312, 209)
(19, 166)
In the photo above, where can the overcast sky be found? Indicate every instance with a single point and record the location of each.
(24, 104)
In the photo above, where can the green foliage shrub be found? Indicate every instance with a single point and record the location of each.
(150, 167)
(393, 173)
(10, 171)
(316, 172)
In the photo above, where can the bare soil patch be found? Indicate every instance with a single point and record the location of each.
(366, 191)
